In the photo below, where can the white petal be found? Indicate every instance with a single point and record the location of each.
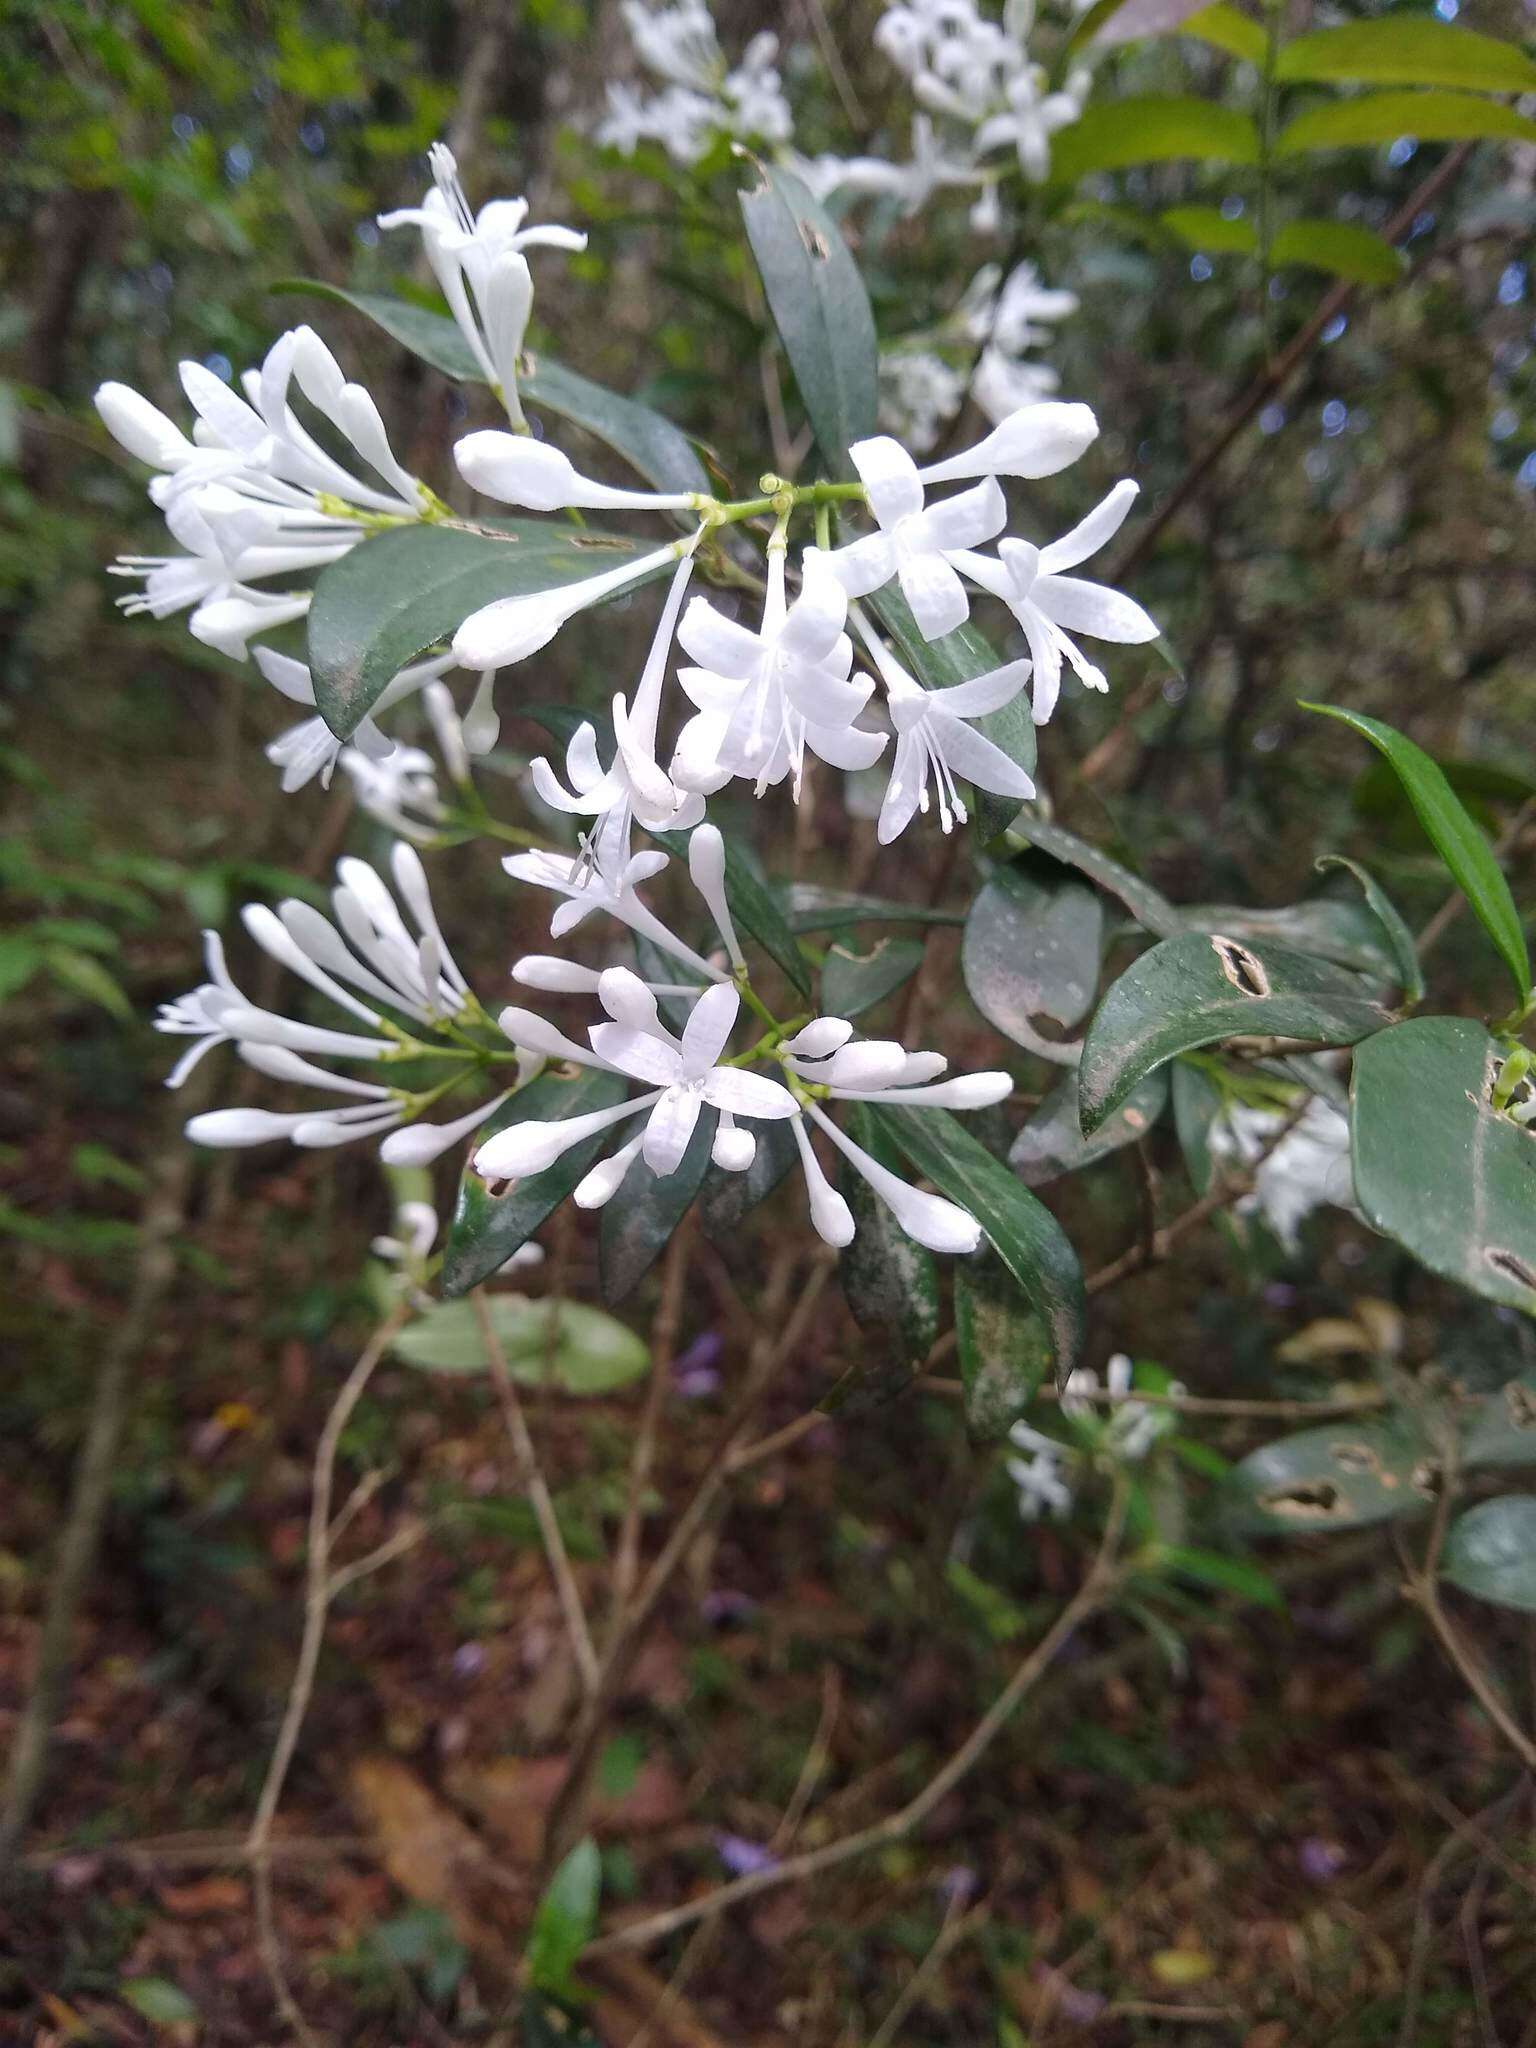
(999, 686)
(864, 565)
(747, 1094)
(708, 1030)
(935, 593)
(821, 1036)
(1090, 534)
(559, 976)
(964, 520)
(830, 1214)
(420, 1144)
(607, 1177)
(638, 1053)
(706, 866)
(940, 1225)
(981, 762)
(1037, 440)
(890, 476)
(526, 1028)
(1084, 607)
(669, 1129)
(719, 643)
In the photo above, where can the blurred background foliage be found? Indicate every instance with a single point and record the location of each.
(1369, 543)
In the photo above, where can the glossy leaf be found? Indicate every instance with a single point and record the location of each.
(399, 593)
(1229, 29)
(487, 1229)
(1491, 1552)
(891, 1283)
(1407, 50)
(1208, 228)
(1398, 938)
(1337, 928)
(1436, 1167)
(648, 1207)
(1339, 248)
(753, 907)
(812, 908)
(819, 306)
(565, 1921)
(1501, 1427)
(1196, 1105)
(1344, 1475)
(999, 1338)
(1146, 905)
(727, 1197)
(1024, 1233)
(1372, 118)
(852, 983)
(1456, 838)
(1201, 988)
(1032, 951)
(648, 442)
(1118, 133)
(561, 1344)
(1052, 1142)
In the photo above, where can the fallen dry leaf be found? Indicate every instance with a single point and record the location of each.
(439, 1860)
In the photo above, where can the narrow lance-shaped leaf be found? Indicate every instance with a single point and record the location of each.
(402, 592)
(1456, 839)
(1199, 989)
(819, 306)
(1376, 117)
(1405, 954)
(1146, 904)
(1407, 50)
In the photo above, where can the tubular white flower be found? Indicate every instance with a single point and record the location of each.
(517, 470)
(528, 1148)
(706, 868)
(1034, 441)
(914, 541)
(830, 1214)
(605, 1179)
(587, 888)
(509, 629)
(1050, 606)
(399, 789)
(734, 1149)
(928, 1219)
(420, 1144)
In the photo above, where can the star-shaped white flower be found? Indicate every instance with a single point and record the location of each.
(935, 744)
(915, 539)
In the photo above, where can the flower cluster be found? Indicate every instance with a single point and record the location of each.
(992, 327)
(1308, 1169)
(702, 97)
(1120, 1427)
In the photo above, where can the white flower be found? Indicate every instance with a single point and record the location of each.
(919, 394)
(935, 743)
(1023, 300)
(1032, 115)
(1001, 385)
(1309, 1168)
(479, 263)
(509, 629)
(1039, 1482)
(518, 470)
(703, 98)
(398, 789)
(765, 696)
(587, 886)
(1050, 606)
(310, 748)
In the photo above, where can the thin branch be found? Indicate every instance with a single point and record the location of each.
(531, 1478)
(664, 1336)
(1192, 1404)
(1091, 1595)
(955, 1927)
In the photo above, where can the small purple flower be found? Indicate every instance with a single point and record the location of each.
(957, 1887)
(695, 1371)
(743, 1858)
(1279, 1294)
(1320, 1860)
(468, 1660)
(724, 1604)
(1081, 2008)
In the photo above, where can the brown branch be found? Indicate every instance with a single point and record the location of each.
(1191, 1404)
(664, 1336)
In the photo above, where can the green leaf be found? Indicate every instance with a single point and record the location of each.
(1031, 951)
(84, 975)
(1223, 1573)
(1198, 989)
(1407, 50)
(1342, 1476)
(1228, 28)
(1145, 904)
(19, 961)
(648, 442)
(753, 907)
(854, 982)
(1340, 249)
(1196, 1105)
(561, 1344)
(891, 1283)
(565, 1921)
(811, 908)
(819, 306)
(1405, 954)
(1501, 1427)
(1052, 1142)
(1491, 1552)
(1109, 22)
(1207, 227)
(1456, 839)
(1027, 1237)
(648, 1207)
(999, 1338)
(727, 1197)
(159, 2001)
(401, 592)
(1336, 928)
(1377, 117)
(487, 1229)
(1436, 1167)
(1151, 130)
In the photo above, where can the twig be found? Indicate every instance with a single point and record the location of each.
(1182, 1404)
(1089, 1598)
(664, 1335)
(956, 1925)
(531, 1478)
(1460, 1837)
(317, 1600)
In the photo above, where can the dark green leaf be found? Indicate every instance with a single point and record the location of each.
(19, 961)
(648, 1207)
(1341, 1476)
(1196, 990)
(1003, 1357)
(1339, 248)
(1491, 1552)
(854, 982)
(1196, 1105)
(1031, 951)
(1405, 954)
(1336, 928)
(487, 1229)
(1461, 846)
(727, 1197)
(561, 1344)
(1027, 1237)
(401, 592)
(814, 909)
(1224, 1573)
(159, 2001)
(1151, 130)
(565, 1921)
(1407, 50)
(1149, 909)
(1372, 118)
(1436, 1167)
(819, 306)
(890, 1282)
(1229, 29)
(1207, 227)
(753, 907)
(1501, 1427)
(1052, 1143)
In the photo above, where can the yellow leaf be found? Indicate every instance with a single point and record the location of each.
(1177, 1967)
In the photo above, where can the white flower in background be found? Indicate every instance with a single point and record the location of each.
(479, 263)
(919, 394)
(310, 748)
(587, 886)
(1039, 1481)
(398, 790)
(1000, 384)
(1130, 1427)
(1309, 1168)
(1023, 300)
(930, 168)
(370, 964)
(764, 697)
(1031, 115)
(703, 98)
(1050, 606)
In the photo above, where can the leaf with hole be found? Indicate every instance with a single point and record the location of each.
(1456, 839)
(1023, 1232)
(1117, 134)
(1436, 1167)
(1052, 1143)
(1500, 1428)
(487, 1229)
(852, 983)
(1201, 988)
(1339, 248)
(1372, 118)
(562, 1344)
(1344, 1475)
(648, 1207)
(1337, 928)
(1490, 1552)
(1406, 50)
(819, 306)
(399, 593)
